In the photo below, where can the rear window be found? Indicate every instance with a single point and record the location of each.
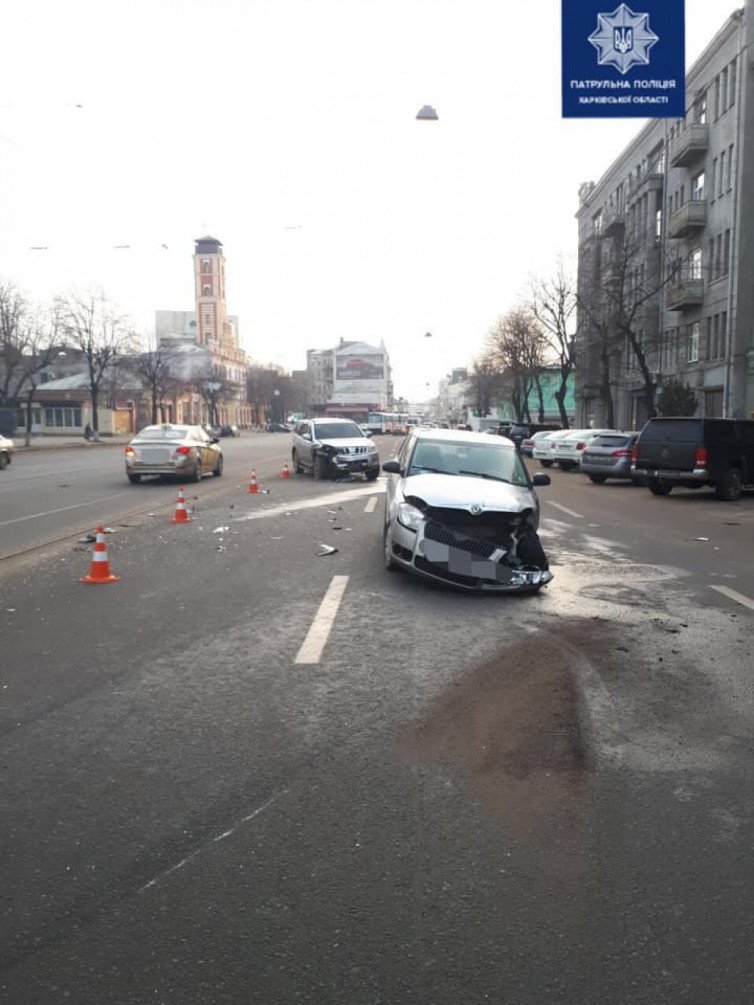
(610, 441)
(673, 431)
(157, 433)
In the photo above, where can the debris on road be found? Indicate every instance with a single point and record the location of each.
(221, 530)
(326, 549)
(88, 538)
(701, 539)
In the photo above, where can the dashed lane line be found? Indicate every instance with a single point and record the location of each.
(564, 509)
(316, 638)
(371, 505)
(734, 595)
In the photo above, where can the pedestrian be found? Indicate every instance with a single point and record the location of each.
(88, 431)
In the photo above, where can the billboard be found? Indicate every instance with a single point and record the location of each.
(359, 368)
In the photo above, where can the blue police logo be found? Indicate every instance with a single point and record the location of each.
(623, 39)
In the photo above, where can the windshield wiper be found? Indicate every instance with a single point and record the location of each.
(482, 474)
(435, 471)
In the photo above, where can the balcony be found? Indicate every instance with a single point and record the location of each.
(652, 182)
(691, 216)
(690, 145)
(613, 221)
(611, 274)
(684, 294)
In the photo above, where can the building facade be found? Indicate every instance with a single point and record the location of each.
(350, 380)
(666, 252)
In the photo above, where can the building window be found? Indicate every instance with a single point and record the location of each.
(723, 347)
(729, 174)
(717, 97)
(726, 253)
(63, 417)
(693, 344)
(713, 179)
(658, 225)
(700, 109)
(695, 264)
(711, 338)
(722, 172)
(206, 290)
(206, 265)
(718, 256)
(724, 103)
(733, 67)
(697, 187)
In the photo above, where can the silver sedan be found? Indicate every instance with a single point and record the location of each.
(184, 452)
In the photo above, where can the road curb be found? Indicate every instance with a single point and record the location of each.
(36, 447)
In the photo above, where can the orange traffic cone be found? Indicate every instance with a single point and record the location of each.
(253, 483)
(181, 513)
(285, 473)
(100, 567)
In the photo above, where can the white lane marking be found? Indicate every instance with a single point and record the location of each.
(733, 595)
(63, 509)
(319, 632)
(220, 837)
(564, 509)
(371, 505)
(326, 500)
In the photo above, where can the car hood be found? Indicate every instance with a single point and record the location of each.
(355, 441)
(463, 492)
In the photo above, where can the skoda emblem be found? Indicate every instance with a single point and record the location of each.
(477, 508)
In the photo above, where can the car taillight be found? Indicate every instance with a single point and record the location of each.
(622, 453)
(184, 450)
(130, 450)
(635, 454)
(581, 446)
(701, 457)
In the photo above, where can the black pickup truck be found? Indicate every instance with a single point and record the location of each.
(696, 452)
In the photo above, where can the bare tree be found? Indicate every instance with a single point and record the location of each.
(515, 346)
(215, 390)
(154, 368)
(28, 343)
(485, 382)
(92, 325)
(553, 304)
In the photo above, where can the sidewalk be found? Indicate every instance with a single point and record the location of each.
(67, 442)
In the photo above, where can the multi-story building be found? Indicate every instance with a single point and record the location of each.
(206, 343)
(350, 380)
(666, 251)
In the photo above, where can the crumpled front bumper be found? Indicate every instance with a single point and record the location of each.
(446, 563)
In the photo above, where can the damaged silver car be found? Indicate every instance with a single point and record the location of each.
(461, 509)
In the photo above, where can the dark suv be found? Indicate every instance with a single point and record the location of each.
(696, 452)
(521, 431)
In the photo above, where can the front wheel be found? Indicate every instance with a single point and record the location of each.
(546, 464)
(731, 486)
(4, 461)
(134, 479)
(198, 472)
(598, 479)
(219, 469)
(390, 565)
(658, 488)
(320, 468)
(298, 468)
(371, 476)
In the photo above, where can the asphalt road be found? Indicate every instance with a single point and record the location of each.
(246, 773)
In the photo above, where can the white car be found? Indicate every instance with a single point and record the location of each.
(330, 447)
(6, 451)
(461, 509)
(544, 446)
(568, 449)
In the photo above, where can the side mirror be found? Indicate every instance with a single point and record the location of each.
(214, 439)
(540, 479)
(391, 468)
(306, 436)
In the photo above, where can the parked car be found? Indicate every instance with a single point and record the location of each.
(184, 452)
(608, 456)
(567, 450)
(527, 445)
(696, 452)
(6, 451)
(327, 447)
(521, 431)
(460, 508)
(542, 450)
(277, 427)
(231, 430)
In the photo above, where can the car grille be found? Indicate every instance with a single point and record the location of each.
(353, 450)
(495, 529)
(436, 532)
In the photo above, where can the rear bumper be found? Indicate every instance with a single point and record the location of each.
(619, 469)
(697, 476)
(162, 469)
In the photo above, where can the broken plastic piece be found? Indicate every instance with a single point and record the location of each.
(701, 539)
(220, 530)
(326, 549)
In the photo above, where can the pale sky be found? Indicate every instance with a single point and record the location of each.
(286, 128)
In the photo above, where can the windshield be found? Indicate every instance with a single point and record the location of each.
(337, 431)
(484, 460)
